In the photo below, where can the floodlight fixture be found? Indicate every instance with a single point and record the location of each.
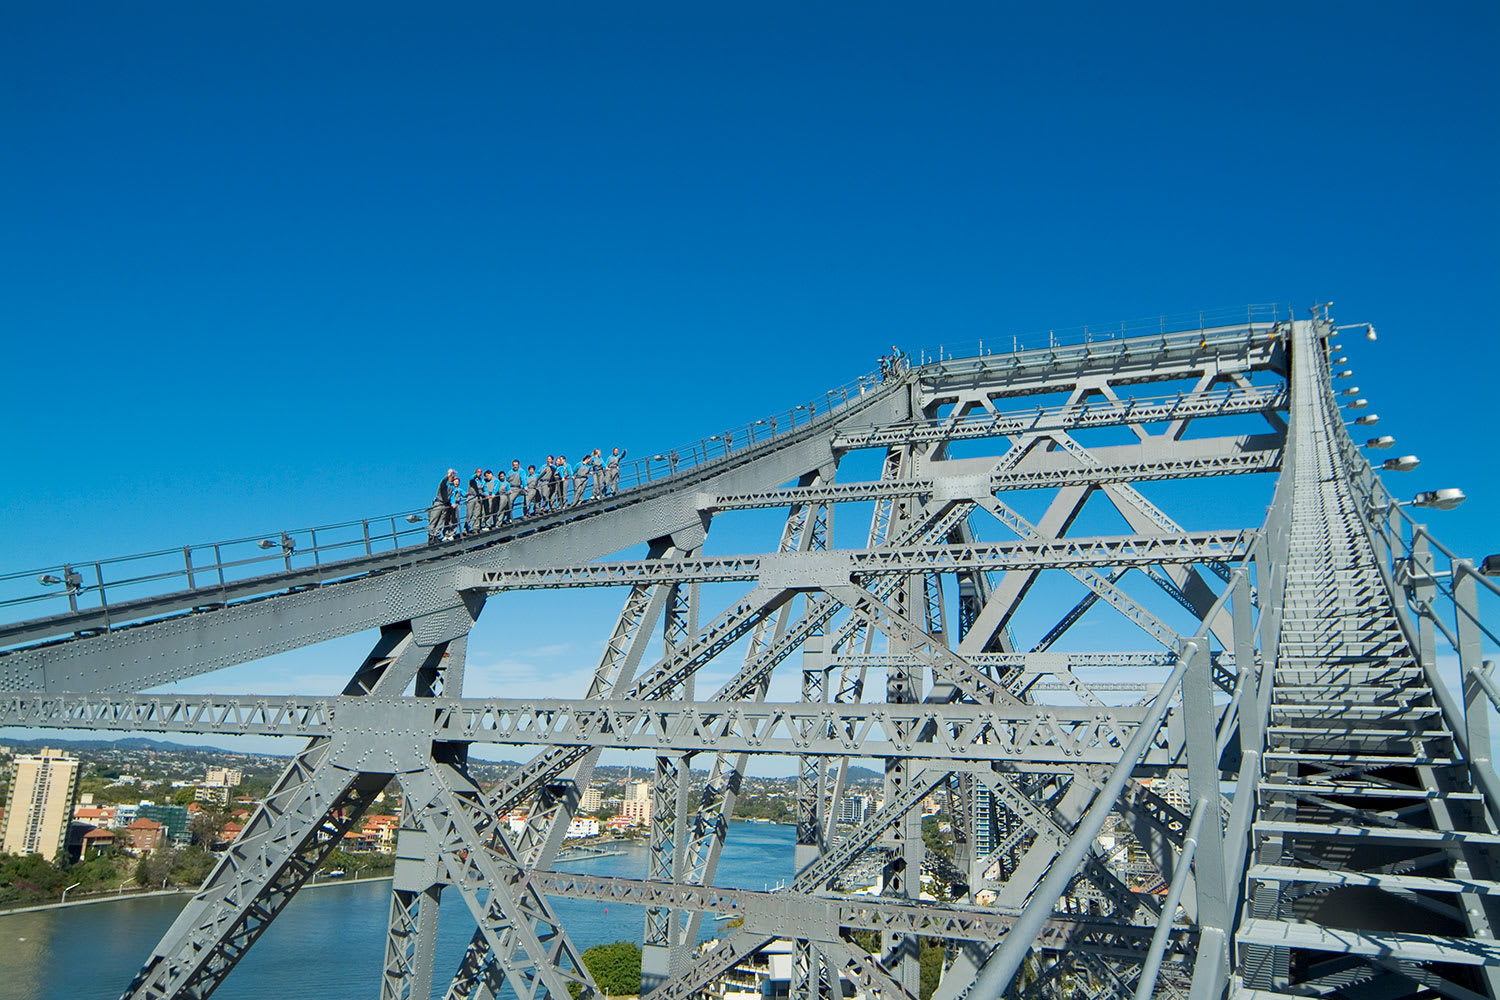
(48, 580)
(1370, 331)
(1490, 565)
(1445, 499)
(266, 543)
(413, 518)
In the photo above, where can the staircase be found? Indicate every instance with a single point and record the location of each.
(1372, 869)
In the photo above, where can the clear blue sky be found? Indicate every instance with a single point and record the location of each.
(281, 264)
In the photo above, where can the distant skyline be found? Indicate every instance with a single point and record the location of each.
(278, 266)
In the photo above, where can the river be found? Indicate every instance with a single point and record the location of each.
(329, 942)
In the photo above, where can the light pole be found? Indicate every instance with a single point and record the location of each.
(65, 892)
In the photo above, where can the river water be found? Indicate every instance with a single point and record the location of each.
(329, 942)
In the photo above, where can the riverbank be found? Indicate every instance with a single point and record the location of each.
(187, 890)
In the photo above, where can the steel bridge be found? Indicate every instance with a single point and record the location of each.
(1296, 762)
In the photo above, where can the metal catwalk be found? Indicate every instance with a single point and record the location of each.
(1273, 793)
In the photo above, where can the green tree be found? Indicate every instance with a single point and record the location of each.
(207, 826)
(615, 967)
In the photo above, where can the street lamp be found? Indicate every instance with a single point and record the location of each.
(1369, 419)
(1346, 373)
(65, 892)
(413, 518)
(1358, 404)
(1353, 390)
(1490, 565)
(1403, 464)
(1383, 442)
(1445, 499)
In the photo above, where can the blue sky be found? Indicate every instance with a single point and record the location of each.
(274, 266)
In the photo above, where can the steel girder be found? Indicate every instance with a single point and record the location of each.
(1029, 740)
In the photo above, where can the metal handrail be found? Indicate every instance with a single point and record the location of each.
(1096, 333)
(210, 568)
(1438, 603)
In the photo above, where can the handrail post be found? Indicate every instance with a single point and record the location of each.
(187, 560)
(1424, 587)
(103, 601)
(219, 565)
(1476, 701)
(365, 525)
(68, 586)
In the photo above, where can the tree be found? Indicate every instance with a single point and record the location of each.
(615, 967)
(207, 826)
(154, 869)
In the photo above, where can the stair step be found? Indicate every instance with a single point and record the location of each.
(1367, 791)
(1404, 835)
(1409, 883)
(1407, 947)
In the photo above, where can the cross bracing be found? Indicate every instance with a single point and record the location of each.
(1291, 660)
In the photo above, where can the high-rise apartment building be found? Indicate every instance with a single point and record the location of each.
(40, 806)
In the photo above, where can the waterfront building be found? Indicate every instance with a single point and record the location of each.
(583, 826)
(853, 809)
(42, 789)
(591, 800)
(144, 835)
(174, 818)
(637, 811)
(97, 842)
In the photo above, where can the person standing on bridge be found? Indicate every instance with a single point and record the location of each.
(581, 478)
(475, 498)
(437, 514)
(564, 473)
(548, 482)
(533, 490)
(492, 487)
(516, 493)
(612, 472)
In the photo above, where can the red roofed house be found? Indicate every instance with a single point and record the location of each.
(144, 835)
(97, 842)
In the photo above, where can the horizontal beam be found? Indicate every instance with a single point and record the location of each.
(1197, 467)
(939, 732)
(781, 910)
(1094, 412)
(817, 570)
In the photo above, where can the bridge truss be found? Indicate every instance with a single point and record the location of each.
(1293, 663)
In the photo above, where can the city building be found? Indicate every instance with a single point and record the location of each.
(174, 818)
(144, 835)
(583, 826)
(40, 806)
(97, 842)
(214, 795)
(591, 800)
(225, 777)
(854, 808)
